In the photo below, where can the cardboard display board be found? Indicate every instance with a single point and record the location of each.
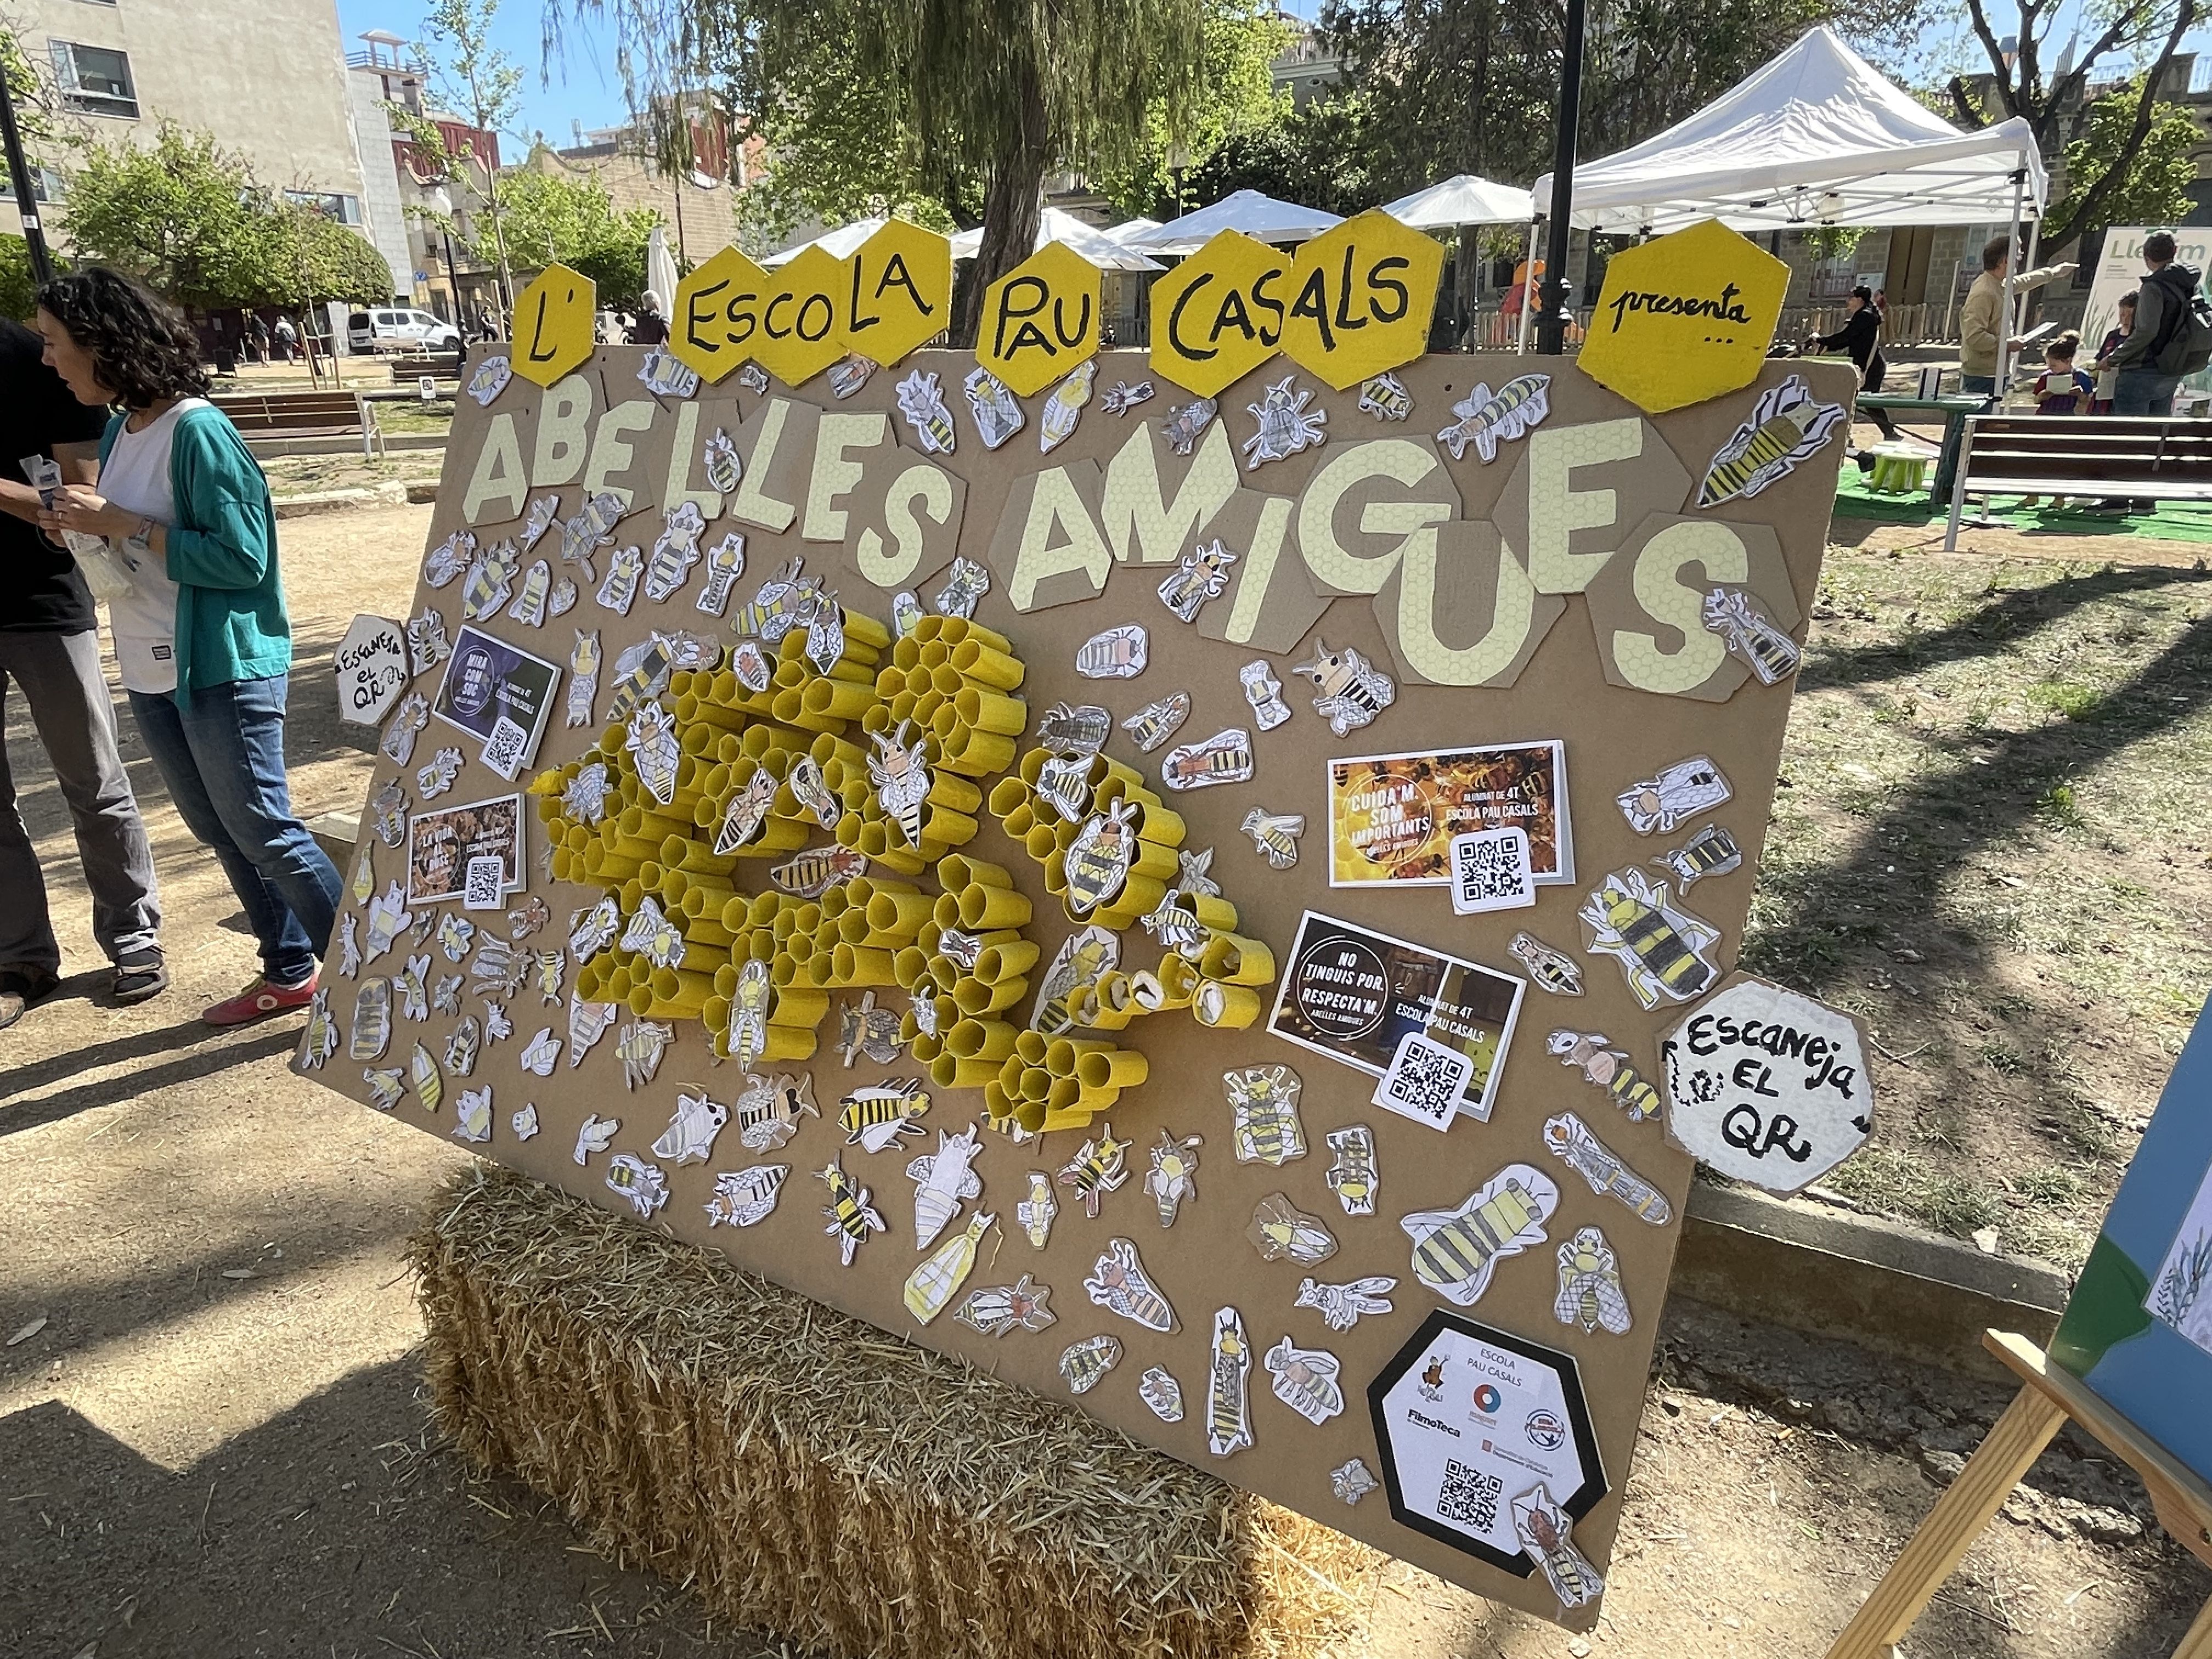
(1396, 595)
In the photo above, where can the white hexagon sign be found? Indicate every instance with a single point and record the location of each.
(372, 669)
(1766, 1085)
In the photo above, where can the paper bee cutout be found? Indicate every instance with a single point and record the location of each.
(1162, 1394)
(1659, 804)
(389, 808)
(965, 585)
(850, 372)
(1181, 429)
(1752, 634)
(1122, 398)
(1385, 397)
(1083, 1363)
(454, 933)
(1175, 1165)
(1263, 1103)
(533, 596)
(596, 1135)
(942, 1180)
(1552, 970)
(747, 811)
(1034, 1212)
(321, 1040)
(665, 375)
(1608, 1068)
(641, 1182)
(541, 1053)
(1202, 574)
(867, 1030)
(1354, 691)
(1265, 693)
(587, 1022)
(462, 1046)
(349, 945)
(372, 1020)
(583, 682)
(1305, 1379)
(1077, 732)
(1096, 1170)
(754, 379)
(767, 1110)
(1661, 947)
(1567, 1137)
(1287, 423)
(1156, 722)
(1097, 859)
(1547, 1535)
(813, 872)
(938, 1278)
(1118, 653)
(640, 1047)
(1275, 836)
(545, 510)
(429, 1081)
(1352, 1480)
(1064, 408)
(625, 570)
(1711, 852)
(1590, 1295)
(724, 566)
(652, 935)
(593, 929)
(997, 412)
(437, 777)
(653, 740)
(994, 1309)
(524, 1123)
(1228, 1403)
(1119, 1284)
(1787, 425)
(719, 460)
(689, 1137)
(901, 775)
(877, 1117)
(1225, 757)
(385, 1086)
(906, 616)
(450, 557)
(410, 718)
(427, 645)
(852, 1217)
(1352, 1176)
(921, 405)
(1456, 1251)
(413, 999)
(490, 380)
(1484, 419)
(1341, 1306)
(1280, 1229)
(472, 1115)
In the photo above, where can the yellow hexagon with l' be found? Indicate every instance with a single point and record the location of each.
(1685, 317)
(716, 322)
(1362, 293)
(553, 325)
(900, 291)
(1219, 314)
(1040, 319)
(802, 328)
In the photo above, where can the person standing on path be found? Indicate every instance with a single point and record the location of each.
(1860, 339)
(651, 328)
(202, 639)
(50, 648)
(1983, 316)
(2149, 360)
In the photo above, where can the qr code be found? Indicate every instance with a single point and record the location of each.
(1469, 1497)
(1425, 1079)
(484, 883)
(502, 751)
(1490, 871)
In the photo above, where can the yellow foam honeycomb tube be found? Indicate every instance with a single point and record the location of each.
(1006, 960)
(863, 964)
(974, 994)
(716, 1016)
(987, 665)
(991, 1040)
(1109, 1067)
(681, 987)
(978, 754)
(949, 1072)
(788, 1043)
(1234, 957)
(899, 917)
(792, 1007)
(982, 907)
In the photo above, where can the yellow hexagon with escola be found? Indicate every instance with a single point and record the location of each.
(716, 321)
(899, 293)
(1362, 293)
(802, 328)
(1219, 314)
(1040, 319)
(1685, 317)
(553, 325)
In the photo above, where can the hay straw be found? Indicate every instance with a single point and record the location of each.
(819, 1478)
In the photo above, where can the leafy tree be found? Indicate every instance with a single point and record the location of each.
(478, 80)
(2146, 33)
(18, 293)
(550, 216)
(331, 261)
(2150, 189)
(1323, 156)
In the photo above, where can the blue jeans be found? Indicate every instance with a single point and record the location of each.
(1984, 384)
(2144, 391)
(223, 760)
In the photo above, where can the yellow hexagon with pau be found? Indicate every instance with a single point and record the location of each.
(802, 328)
(1040, 319)
(1684, 317)
(553, 325)
(1361, 296)
(1219, 315)
(716, 321)
(900, 291)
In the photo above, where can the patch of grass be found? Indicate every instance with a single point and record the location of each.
(2074, 702)
(2047, 1185)
(2060, 806)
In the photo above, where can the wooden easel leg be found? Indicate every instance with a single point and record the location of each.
(1951, 1526)
(2198, 1645)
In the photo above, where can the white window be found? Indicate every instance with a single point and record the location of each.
(341, 210)
(95, 80)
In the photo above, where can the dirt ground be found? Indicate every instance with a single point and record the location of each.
(214, 1441)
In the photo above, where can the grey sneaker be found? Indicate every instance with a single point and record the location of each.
(21, 988)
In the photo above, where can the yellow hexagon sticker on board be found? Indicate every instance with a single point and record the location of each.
(1685, 317)
(1362, 293)
(1219, 314)
(1040, 319)
(718, 314)
(802, 328)
(553, 325)
(900, 291)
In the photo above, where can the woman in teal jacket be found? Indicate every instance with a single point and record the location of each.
(202, 637)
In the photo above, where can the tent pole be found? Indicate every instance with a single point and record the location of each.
(2034, 247)
(1552, 338)
(2012, 265)
(1528, 288)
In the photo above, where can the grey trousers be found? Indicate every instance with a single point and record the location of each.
(59, 676)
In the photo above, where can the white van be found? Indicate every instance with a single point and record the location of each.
(400, 331)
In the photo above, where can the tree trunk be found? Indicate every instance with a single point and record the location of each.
(1010, 208)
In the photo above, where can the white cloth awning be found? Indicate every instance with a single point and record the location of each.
(1819, 136)
(840, 243)
(1462, 199)
(1129, 227)
(1054, 225)
(1261, 217)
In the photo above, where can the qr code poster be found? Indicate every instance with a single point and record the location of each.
(484, 887)
(1490, 872)
(1427, 1081)
(441, 845)
(499, 695)
(1467, 1418)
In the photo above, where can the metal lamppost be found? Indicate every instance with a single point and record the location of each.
(1551, 324)
(27, 202)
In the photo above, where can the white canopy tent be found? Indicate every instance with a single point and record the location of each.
(1129, 227)
(1261, 217)
(1462, 199)
(840, 244)
(1056, 226)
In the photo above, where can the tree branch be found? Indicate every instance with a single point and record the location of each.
(2083, 210)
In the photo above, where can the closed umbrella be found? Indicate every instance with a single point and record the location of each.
(660, 268)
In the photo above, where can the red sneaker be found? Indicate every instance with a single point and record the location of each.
(259, 1000)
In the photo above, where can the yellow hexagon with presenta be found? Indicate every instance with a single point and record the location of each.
(1219, 314)
(802, 328)
(1362, 293)
(1685, 317)
(1040, 319)
(553, 318)
(716, 321)
(899, 291)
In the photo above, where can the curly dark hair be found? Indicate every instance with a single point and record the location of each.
(142, 348)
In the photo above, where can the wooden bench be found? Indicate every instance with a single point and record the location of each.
(2135, 456)
(410, 367)
(302, 414)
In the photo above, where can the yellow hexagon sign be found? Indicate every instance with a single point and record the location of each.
(1040, 319)
(1685, 317)
(718, 314)
(553, 318)
(900, 291)
(1219, 314)
(802, 328)
(1362, 293)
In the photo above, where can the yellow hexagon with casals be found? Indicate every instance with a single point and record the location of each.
(802, 328)
(553, 325)
(1040, 319)
(1219, 314)
(1362, 293)
(717, 317)
(1685, 317)
(900, 292)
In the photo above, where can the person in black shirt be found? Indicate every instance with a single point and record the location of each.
(1860, 339)
(651, 328)
(49, 650)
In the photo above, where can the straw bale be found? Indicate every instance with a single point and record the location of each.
(817, 1477)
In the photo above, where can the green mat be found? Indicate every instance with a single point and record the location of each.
(2173, 521)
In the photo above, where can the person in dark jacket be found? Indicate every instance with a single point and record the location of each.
(1860, 339)
(2150, 359)
(651, 328)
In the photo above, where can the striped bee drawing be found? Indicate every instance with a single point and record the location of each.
(1590, 1295)
(1456, 1251)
